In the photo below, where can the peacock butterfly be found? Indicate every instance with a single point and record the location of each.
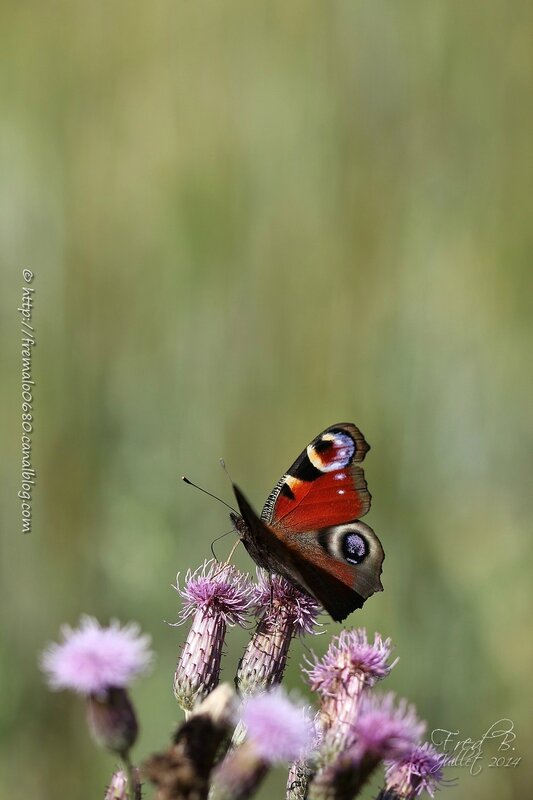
(309, 530)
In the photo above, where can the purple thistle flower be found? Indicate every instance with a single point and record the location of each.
(216, 588)
(216, 596)
(99, 663)
(384, 730)
(350, 664)
(92, 659)
(279, 730)
(274, 590)
(418, 771)
(350, 652)
(381, 731)
(285, 612)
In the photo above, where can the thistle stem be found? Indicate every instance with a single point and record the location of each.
(134, 786)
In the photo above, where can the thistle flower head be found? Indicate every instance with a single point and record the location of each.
(275, 592)
(278, 729)
(218, 590)
(92, 659)
(418, 771)
(283, 612)
(349, 653)
(384, 730)
(215, 596)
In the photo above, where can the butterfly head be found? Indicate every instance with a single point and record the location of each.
(240, 526)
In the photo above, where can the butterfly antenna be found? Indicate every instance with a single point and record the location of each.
(214, 496)
(224, 467)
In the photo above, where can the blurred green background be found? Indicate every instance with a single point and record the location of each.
(248, 221)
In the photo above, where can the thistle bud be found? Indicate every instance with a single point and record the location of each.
(284, 612)
(112, 721)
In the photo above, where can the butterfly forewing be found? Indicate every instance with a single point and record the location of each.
(325, 485)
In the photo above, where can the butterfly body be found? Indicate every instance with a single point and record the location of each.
(309, 530)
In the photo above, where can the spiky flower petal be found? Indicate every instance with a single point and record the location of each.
(350, 652)
(216, 589)
(92, 658)
(273, 590)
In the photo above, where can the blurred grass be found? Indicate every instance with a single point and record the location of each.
(247, 222)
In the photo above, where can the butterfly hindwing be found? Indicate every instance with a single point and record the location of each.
(339, 565)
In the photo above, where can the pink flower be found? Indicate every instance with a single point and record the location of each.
(91, 659)
(418, 771)
(350, 652)
(216, 596)
(351, 663)
(278, 729)
(217, 590)
(384, 730)
(273, 592)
